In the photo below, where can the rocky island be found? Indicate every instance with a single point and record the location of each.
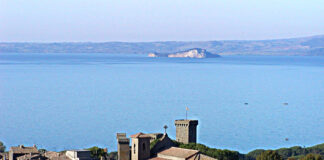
(191, 53)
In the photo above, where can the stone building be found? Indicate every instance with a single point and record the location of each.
(175, 153)
(4, 156)
(56, 156)
(123, 149)
(140, 146)
(21, 150)
(162, 150)
(186, 131)
(141, 142)
(32, 157)
(79, 154)
(155, 136)
(158, 146)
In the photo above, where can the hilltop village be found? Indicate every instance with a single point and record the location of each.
(140, 146)
(158, 146)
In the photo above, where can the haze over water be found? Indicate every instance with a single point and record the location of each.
(74, 101)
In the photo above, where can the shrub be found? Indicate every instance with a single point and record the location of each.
(269, 155)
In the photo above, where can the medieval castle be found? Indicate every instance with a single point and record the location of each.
(140, 146)
(158, 146)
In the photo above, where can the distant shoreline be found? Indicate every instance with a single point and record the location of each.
(306, 46)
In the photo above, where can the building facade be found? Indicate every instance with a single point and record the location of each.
(186, 131)
(140, 146)
(79, 154)
(123, 147)
(21, 150)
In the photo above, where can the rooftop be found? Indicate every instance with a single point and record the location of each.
(79, 150)
(123, 140)
(179, 152)
(23, 149)
(29, 156)
(121, 135)
(140, 135)
(188, 120)
(158, 158)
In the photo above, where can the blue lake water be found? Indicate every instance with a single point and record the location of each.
(70, 101)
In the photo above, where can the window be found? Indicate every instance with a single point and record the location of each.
(143, 146)
(134, 148)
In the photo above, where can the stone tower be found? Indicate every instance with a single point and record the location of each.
(123, 147)
(140, 146)
(186, 131)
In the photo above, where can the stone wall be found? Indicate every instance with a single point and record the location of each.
(186, 131)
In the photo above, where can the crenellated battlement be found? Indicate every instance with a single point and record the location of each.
(186, 130)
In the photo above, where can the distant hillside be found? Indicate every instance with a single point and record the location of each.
(291, 153)
(295, 152)
(307, 46)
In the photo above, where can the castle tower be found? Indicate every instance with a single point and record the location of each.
(140, 146)
(186, 131)
(123, 147)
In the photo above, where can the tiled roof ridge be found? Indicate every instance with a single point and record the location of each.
(136, 135)
(140, 135)
(179, 152)
(186, 149)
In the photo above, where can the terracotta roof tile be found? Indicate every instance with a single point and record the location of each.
(50, 154)
(28, 156)
(140, 135)
(178, 152)
(202, 157)
(158, 158)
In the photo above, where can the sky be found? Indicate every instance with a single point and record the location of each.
(158, 20)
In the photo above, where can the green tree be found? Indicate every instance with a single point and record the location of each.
(212, 152)
(152, 144)
(2, 147)
(269, 155)
(42, 151)
(112, 155)
(254, 154)
(97, 152)
(312, 157)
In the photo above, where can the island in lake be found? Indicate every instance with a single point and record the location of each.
(191, 53)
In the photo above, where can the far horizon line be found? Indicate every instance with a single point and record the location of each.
(299, 37)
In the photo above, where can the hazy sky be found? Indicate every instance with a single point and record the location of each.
(158, 20)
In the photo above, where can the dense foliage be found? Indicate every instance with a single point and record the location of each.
(97, 152)
(152, 144)
(112, 155)
(292, 153)
(42, 151)
(253, 154)
(2, 147)
(269, 155)
(312, 157)
(212, 152)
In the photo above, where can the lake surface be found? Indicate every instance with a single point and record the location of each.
(74, 101)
